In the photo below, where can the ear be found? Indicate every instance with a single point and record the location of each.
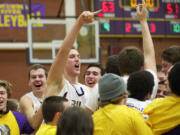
(58, 115)
(29, 83)
(148, 96)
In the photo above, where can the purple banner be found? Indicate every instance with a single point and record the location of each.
(12, 14)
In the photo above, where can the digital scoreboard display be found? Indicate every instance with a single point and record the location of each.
(118, 17)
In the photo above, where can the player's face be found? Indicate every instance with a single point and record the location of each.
(92, 76)
(162, 91)
(73, 63)
(37, 80)
(3, 98)
(165, 66)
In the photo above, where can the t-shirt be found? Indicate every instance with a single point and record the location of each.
(14, 123)
(46, 129)
(164, 114)
(75, 93)
(119, 120)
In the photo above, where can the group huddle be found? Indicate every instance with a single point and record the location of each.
(122, 99)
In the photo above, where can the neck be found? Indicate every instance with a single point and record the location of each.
(4, 111)
(72, 79)
(52, 123)
(38, 94)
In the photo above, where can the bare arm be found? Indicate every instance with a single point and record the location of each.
(26, 106)
(148, 47)
(55, 81)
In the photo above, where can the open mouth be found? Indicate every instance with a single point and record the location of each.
(38, 85)
(90, 82)
(76, 65)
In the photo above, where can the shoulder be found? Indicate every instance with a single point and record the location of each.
(22, 121)
(25, 100)
(156, 103)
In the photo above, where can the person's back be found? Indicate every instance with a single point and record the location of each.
(120, 120)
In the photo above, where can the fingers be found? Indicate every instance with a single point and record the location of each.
(96, 12)
(143, 2)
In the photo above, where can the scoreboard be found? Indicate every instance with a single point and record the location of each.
(119, 19)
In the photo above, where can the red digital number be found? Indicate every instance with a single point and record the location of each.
(169, 8)
(172, 8)
(128, 27)
(107, 6)
(152, 27)
(177, 8)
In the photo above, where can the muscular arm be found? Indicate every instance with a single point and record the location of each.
(26, 106)
(148, 47)
(55, 80)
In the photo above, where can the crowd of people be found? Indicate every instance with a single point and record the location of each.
(132, 95)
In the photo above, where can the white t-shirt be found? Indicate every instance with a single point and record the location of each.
(75, 93)
(36, 101)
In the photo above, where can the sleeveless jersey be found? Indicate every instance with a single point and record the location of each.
(75, 93)
(36, 101)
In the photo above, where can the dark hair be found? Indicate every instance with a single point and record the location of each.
(140, 84)
(51, 106)
(159, 68)
(174, 79)
(8, 86)
(98, 65)
(37, 66)
(171, 54)
(75, 121)
(131, 59)
(112, 65)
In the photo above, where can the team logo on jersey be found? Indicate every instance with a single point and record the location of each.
(4, 130)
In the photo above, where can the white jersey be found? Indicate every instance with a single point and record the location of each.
(92, 100)
(75, 93)
(36, 101)
(135, 103)
(154, 92)
(139, 105)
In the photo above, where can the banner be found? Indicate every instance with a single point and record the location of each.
(12, 14)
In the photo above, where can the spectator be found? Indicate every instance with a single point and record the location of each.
(11, 122)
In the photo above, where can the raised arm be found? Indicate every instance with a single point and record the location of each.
(148, 47)
(55, 81)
